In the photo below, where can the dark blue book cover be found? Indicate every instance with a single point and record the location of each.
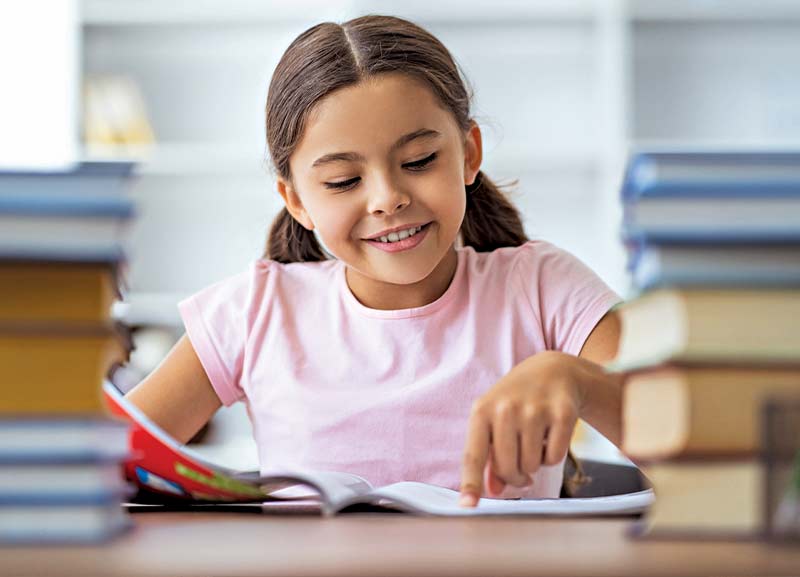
(99, 178)
(66, 205)
(714, 265)
(712, 174)
(631, 233)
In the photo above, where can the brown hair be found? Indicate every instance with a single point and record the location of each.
(330, 56)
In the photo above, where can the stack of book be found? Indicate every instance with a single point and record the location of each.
(61, 259)
(714, 246)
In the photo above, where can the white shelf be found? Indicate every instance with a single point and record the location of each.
(171, 12)
(188, 158)
(149, 309)
(541, 159)
(222, 158)
(237, 12)
(232, 12)
(670, 145)
(713, 10)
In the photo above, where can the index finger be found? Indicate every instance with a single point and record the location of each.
(476, 453)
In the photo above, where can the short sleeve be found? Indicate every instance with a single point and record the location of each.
(216, 324)
(568, 297)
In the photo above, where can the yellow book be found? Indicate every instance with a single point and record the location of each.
(706, 498)
(55, 291)
(679, 411)
(709, 325)
(57, 369)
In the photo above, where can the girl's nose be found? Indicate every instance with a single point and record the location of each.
(387, 199)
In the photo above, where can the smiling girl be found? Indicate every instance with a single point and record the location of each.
(429, 339)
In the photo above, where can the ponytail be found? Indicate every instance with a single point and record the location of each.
(289, 241)
(490, 220)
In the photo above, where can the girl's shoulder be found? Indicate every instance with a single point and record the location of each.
(263, 277)
(542, 270)
(525, 258)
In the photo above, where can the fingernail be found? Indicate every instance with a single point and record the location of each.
(468, 501)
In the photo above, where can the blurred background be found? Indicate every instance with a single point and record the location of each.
(563, 90)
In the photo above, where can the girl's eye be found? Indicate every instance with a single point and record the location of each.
(342, 184)
(415, 166)
(421, 164)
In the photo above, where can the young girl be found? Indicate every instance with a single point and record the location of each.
(430, 340)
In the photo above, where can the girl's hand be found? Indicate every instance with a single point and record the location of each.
(525, 420)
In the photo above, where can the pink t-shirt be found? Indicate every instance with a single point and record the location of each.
(333, 385)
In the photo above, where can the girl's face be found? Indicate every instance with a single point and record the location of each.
(379, 156)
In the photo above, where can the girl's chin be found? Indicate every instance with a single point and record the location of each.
(389, 273)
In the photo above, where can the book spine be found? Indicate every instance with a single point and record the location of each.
(68, 206)
(635, 234)
(682, 189)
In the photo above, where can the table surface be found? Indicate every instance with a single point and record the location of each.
(192, 544)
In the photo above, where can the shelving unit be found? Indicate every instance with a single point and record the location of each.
(204, 72)
(563, 89)
(147, 12)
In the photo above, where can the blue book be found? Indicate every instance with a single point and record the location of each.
(81, 487)
(74, 205)
(713, 219)
(101, 178)
(712, 173)
(65, 523)
(62, 440)
(717, 265)
(63, 227)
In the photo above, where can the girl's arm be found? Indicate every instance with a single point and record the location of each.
(602, 391)
(177, 395)
(527, 418)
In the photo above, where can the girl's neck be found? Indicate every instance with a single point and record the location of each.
(387, 296)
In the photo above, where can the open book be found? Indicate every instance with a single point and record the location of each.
(161, 466)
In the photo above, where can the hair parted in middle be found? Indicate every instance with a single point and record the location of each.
(330, 56)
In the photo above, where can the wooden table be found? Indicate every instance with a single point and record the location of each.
(191, 544)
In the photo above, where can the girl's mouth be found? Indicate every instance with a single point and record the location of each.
(407, 243)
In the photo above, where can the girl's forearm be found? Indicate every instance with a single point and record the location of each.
(601, 399)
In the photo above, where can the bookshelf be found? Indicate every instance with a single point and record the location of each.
(188, 62)
(146, 12)
(562, 90)
(187, 158)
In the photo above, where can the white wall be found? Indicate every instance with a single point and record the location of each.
(39, 75)
(535, 97)
(561, 90)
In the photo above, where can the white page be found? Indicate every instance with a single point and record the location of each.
(334, 487)
(433, 500)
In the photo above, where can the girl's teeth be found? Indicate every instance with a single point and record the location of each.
(395, 236)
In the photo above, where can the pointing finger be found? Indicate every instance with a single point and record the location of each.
(475, 454)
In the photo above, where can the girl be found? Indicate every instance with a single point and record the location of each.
(430, 340)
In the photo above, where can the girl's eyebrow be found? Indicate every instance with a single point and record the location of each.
(354, 156)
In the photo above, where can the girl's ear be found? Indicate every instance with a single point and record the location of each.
(293, 204)
(473, 153)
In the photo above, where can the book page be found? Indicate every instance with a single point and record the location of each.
(428, 499)
(332, 487)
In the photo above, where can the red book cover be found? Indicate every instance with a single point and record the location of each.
(158, 464)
